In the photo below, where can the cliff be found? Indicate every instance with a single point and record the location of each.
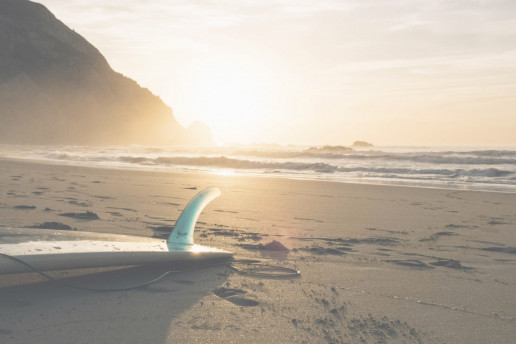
(56, 88)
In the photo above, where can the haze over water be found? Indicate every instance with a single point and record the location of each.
(314, 72)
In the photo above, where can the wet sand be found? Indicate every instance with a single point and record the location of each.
(379, 264)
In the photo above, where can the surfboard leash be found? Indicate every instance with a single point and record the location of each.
(250, 267)
(59, 281)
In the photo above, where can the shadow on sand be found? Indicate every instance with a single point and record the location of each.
(36, 311)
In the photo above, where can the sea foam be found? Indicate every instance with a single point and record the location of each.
(474, 168)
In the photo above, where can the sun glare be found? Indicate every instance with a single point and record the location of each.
(232, 99)
(225, 173)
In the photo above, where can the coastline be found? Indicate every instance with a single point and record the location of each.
(475, 187)
(377, 262)
(457, 168)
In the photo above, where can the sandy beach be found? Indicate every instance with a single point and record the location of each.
(379, 264)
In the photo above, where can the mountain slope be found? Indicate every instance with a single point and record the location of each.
(55, 87)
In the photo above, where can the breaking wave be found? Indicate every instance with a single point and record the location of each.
(229, 163)
(440, 167)
(470, 158)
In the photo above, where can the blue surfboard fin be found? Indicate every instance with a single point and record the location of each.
(182, 234)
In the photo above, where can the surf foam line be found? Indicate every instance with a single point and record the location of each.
(321, 167)
(493, 157)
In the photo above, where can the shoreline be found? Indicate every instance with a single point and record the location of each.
(409, 184)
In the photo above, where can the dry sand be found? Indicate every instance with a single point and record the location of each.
(379, 264)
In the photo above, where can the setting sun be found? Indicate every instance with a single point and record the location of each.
(230, 97)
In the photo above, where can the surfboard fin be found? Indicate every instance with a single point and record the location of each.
(182, 234)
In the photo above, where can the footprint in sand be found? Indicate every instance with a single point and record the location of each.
(24, 207)
(53, 225)
(82, 216)
(411, 263)
(233, 296)
(450, 263)
(511, 250)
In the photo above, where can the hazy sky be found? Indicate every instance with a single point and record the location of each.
(321, 71)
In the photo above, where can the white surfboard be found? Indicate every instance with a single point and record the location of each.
(46, 249)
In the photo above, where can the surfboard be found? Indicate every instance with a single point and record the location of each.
(46, 249)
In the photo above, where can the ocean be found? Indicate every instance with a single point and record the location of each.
(467, 168)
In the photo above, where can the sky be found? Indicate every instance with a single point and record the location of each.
(391, 72)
